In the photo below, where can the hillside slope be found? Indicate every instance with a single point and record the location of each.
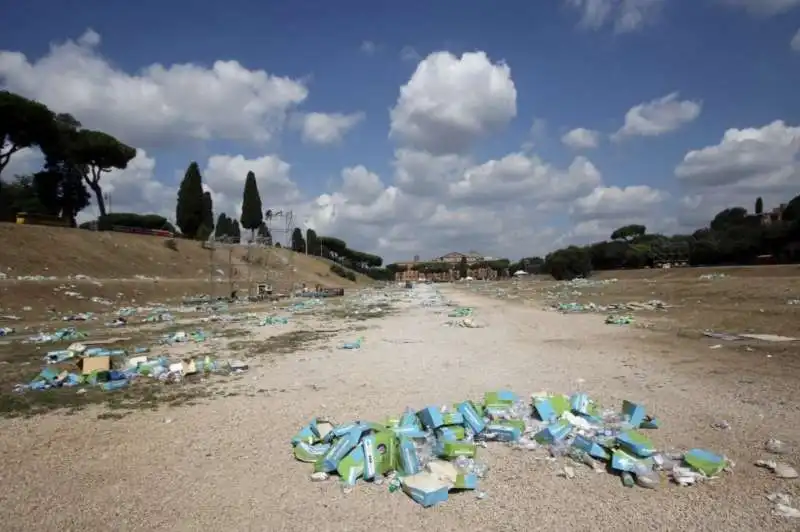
(127, 264)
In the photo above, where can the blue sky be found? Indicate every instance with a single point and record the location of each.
(569, 63)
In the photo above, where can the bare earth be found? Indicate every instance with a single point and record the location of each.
(225, 464)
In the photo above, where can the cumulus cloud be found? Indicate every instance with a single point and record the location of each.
(616, 203)
(25, 161)
(450, 102)
(369, 47)
(794, 44)
(520, 177)
(581, 139)
(658, 117)
(360, 185)
(765, 8)
(624, 15)
(328, 128)
(224, 177)
(158, 105)
(746, 163)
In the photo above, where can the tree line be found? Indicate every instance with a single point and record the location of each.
(75, 159)
(733, 237)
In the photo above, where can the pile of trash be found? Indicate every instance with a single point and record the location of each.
(431, 452)
(112, 369)
(572, 307)
(67, 334)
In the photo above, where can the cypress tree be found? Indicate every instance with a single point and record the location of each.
(298, 242)
(251, 204)
(189, 210)
(219, 229)
(311, 242)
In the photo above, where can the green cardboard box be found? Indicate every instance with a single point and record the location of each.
(454, 449)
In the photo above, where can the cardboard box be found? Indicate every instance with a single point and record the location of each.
(636, 443)
(552, 433)
(551, 408)
(88, 365)
(425, 488)
(454, 449)
(306, 452)
(352, 466)
(340, 449)
(451, 432)
(408, 458)
(634, 413)
(472, 418)
(706, 462)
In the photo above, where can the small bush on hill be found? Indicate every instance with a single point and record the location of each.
(341, 272)
(130, 219)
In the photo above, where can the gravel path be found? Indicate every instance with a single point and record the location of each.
(226, 465)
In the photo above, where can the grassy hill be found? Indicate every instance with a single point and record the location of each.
(124, 267)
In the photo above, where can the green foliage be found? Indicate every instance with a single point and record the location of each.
(263, 232)
(24, 123)
(298, 242)
(312, 242)
(759, 205)
(462, 267)
(132, 219)
(208, 213)
(251, 204)
(100, 153)
(329, 245)
(629, 232)
(733, 237)
(792, 211)
(19, 196)
(569, 263)
(189, 211)
(527, 264)
(341, 272)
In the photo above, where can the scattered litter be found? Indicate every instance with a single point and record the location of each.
(780, 469)
(353, 345)
(619, 320)
(776, 446)
(431, 452)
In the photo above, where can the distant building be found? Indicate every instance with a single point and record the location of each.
(773, 216)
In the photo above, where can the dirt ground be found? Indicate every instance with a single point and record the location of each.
(223, 461)
(62, 252)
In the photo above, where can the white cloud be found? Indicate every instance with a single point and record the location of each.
(369, 47)
(445, 202)
(224, 176)
(745, 164)
(325, 128)
(616, 203)
(450, 102)
(794, 44)
(423, 174)
(410, 54)
(581, 139)
(136, 189)
(766, 8)
(625, 15)
(659, 116)
(518, 177)
(158, 105)
(360, 185)
(25, 161)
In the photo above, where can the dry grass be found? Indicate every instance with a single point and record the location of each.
(745, 300)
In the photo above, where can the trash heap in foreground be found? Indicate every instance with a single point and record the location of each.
(434, 451)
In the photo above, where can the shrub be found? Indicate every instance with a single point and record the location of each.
(341, 272)
(131, 219)
(569, 263)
